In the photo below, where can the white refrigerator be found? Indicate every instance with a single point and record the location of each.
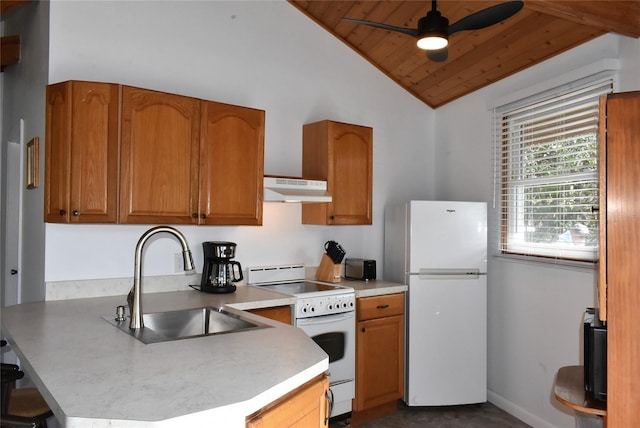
(439, 249)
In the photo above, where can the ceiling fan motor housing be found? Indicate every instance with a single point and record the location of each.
(433, 24)
(433, 32)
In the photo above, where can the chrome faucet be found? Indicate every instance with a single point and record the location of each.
(134, 297)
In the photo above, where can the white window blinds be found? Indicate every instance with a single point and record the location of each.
(546, 170)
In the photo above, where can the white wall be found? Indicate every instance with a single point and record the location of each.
(534, 309)
(23, 88)
(264, 55)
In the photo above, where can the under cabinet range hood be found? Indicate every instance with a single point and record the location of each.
(291, 189)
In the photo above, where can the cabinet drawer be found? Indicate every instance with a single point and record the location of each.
(380, 306)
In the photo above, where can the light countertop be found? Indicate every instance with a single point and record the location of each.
(374, 287)
(94, 375)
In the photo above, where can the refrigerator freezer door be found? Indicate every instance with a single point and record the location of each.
(447, 346)
(447, 235)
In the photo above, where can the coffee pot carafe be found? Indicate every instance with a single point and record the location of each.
(219, 271)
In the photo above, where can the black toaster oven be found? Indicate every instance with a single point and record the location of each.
(362, 269)
(595, 355)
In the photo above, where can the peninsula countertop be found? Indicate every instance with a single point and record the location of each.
(94, 375)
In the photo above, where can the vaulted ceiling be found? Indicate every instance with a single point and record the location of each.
(541, 30)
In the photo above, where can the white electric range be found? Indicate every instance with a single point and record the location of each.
(326, 312)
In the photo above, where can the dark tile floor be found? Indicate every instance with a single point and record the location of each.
(484, 415)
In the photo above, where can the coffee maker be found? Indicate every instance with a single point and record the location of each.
(219, 271)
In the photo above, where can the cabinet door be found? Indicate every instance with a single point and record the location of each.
(379, 362)
(351, 175)
(94, 152)
(57, 187)
(82, 152)
(342, 154)
(231, 164)
(159, 157)
(306, 407)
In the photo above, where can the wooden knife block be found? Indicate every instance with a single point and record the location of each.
(328, 271)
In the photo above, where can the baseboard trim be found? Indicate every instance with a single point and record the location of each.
(517, 411)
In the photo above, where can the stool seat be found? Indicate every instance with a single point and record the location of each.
(20, 407)
(27, 403)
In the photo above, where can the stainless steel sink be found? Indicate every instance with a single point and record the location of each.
(185, 324)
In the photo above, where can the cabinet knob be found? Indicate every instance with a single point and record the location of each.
(76, 213)
(363, 329)
(203, 216)
(332, 217)
(62, 212)
(382, 306)
(194, 215)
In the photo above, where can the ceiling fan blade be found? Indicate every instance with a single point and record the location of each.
(409, 31)
(487, 17)
(438, 55)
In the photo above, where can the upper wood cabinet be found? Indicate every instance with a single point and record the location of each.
(619, 249)
(159, 157)
(231, 164)
(190, 161)
(342, 154)
(81, 152)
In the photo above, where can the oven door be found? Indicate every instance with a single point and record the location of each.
(335, 334)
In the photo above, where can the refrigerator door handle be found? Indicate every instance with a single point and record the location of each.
(434, 273)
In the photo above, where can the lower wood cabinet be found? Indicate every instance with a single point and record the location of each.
(379, 351)
(306, 407)
(278, 313)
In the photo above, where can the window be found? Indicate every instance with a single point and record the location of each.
(547, 172)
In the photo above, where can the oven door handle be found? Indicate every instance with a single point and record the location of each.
(325, 319)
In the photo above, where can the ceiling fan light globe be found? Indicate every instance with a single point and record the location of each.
(432, 42)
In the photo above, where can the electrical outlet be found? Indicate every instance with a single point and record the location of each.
(178, 262)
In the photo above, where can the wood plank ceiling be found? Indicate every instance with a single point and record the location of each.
(541, 30)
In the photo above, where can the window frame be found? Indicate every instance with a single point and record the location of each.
(508, 175)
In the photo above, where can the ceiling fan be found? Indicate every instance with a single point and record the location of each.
(434, 30)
